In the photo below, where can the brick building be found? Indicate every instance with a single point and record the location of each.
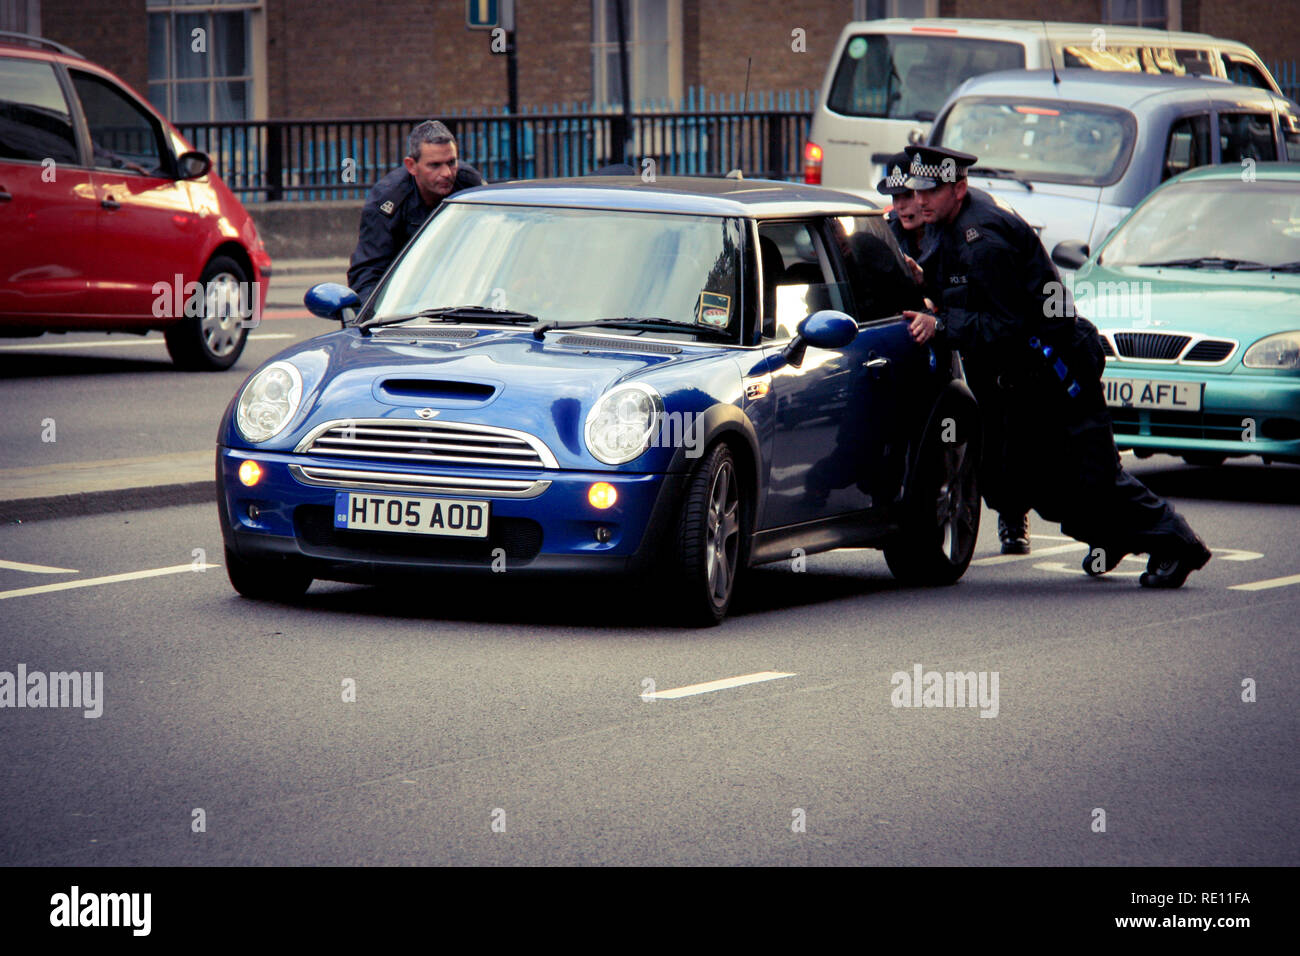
(252, 59)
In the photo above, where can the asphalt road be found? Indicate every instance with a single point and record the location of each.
(502, 720)
(500, 700)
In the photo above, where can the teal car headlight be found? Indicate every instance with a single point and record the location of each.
(1276, 351)
(269, 401)
(620, 425)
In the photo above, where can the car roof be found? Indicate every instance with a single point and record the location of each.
(1124, 90)
(1287, 172)
(1056, 29)
(39, 48)
(672, 194)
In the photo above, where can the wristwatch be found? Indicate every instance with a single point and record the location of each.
(938, 324)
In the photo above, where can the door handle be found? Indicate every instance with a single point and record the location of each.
(876, 363)
(109, 203)
(5, 195)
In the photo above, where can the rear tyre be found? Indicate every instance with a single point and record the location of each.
(942, 510)
(712, 539)
(214, 340)
(266, 579)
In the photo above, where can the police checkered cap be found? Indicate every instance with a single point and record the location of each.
(925, 170)
(896, 178)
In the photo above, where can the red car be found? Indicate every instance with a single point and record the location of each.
(109, 221)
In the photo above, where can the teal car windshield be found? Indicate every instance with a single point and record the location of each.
(1052, 141)
(1220, 223)
(570, 265)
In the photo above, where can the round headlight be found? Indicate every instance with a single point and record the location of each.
(268, 402)
(1276, 351)
(621, 423)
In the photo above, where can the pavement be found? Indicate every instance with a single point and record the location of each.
(34, 493)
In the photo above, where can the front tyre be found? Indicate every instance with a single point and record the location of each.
(942, 512)
(214, 340)
(273, 579)
(712, 539)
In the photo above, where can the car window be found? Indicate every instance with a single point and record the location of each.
(797, 277)
(35, 122)
(125, 138)
(1045, 140)
(878, 277)
(901, 76)
(1120, 58)
(1188, 145)
(1215, 219)
(1241, 70)
(1290, 135)
(1246, 136)
(566, 265)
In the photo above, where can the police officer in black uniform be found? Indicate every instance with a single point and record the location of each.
(399, 203)
(1035, 368)
(904, 219)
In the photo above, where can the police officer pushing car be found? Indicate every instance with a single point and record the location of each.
(399, 203)
(1037, 376)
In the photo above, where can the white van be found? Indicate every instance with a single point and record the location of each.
(887, 79)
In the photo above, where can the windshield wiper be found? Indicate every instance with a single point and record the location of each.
(633, 322)
(1280, 267)
(1208, 262)
(455, 313)
(993, 173)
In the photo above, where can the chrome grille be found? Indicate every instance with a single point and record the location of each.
(428, 442)
(1150, 345)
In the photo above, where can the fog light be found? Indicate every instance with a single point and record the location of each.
(254, 512)
(602, 495)
(603, 534)
(250, 473)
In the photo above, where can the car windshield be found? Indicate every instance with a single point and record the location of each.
(909, 77)
(1042, 140)
(1212, 224)
(573, 265)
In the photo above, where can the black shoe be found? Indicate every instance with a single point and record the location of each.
(1013, 532)
(1111, 557)
(1170, 571)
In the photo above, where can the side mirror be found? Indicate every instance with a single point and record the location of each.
(827, 329)
(194, 164)
(329, 299)
(1070, 254)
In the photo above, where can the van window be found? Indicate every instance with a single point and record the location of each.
(910, 76)
(1128, 58)
(1241, 70)
(1188, 146)
(1290, 135)
(1246, 136)
(1053, 141)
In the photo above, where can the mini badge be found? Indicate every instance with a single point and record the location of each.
(713, 309)
(387, 207)
(972, 234)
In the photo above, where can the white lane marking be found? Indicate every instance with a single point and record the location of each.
(109, 579)
(259, 337)
(34, 568)
(1268, 583)
(1005, 558)
(713, 685)
(1234, 554)
(1064, 568)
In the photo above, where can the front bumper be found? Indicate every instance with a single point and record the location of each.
(554, 531)
(1239, 415)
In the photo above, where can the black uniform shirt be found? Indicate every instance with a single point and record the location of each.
(392, 214)
(993, 284)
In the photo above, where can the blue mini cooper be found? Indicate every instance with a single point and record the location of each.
(679, 379)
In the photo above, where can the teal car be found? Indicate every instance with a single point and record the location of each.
(1197, 298)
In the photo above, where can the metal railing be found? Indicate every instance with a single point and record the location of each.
(341, 158)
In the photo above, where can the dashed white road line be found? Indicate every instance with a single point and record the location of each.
(1006, 558)
(33, 568)
(261, 336)
(710, 686)
(108, 579)
(1267, 583)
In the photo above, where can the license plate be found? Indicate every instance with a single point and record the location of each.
(1149, 393)
(441, 516)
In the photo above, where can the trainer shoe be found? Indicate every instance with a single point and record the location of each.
(1166, 571)
(1013, 532)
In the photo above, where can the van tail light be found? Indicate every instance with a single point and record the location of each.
(812, 163)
